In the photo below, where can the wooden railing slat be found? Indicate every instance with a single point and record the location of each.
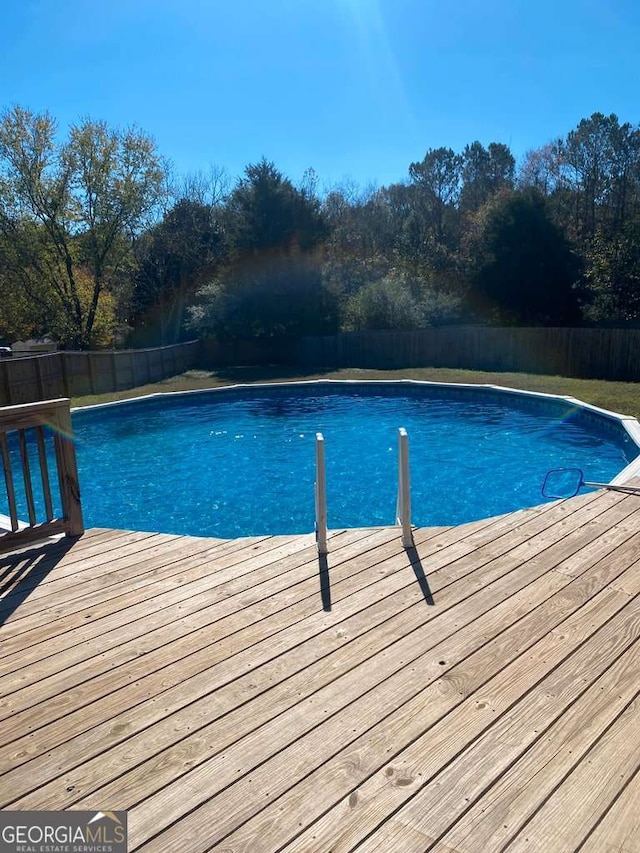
(26, 475)
(8, 477)
(44, 473)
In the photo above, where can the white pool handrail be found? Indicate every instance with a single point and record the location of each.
(403, 506)
(321, 496)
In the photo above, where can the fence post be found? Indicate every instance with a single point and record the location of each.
(403, 507)
(321, 496)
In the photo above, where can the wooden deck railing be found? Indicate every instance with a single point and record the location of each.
(43, 424)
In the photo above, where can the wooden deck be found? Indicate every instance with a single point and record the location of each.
(476, 694)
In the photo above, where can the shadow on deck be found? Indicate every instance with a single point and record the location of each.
(478, 692)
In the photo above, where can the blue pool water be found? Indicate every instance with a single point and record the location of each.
(241, 462)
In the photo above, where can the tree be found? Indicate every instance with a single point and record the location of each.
(438, 179)
(21, 317)
(613, 277)
(207, 188)
(524, 270)
(281, 296)
(71, 211)
(600, 167)
(398, 302)
(540, 169)
(175, 257)
(266, 213)
(485, 171)
(273, 285)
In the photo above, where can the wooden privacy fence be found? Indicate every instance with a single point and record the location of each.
(31, 436)
(612, 354)
(593, 353)
(214, 353)
(74, 374)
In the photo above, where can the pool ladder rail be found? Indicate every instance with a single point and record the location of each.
(403, 504)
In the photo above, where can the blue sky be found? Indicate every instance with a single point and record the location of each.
(353, 88)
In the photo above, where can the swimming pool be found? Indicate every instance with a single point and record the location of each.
(240, 461)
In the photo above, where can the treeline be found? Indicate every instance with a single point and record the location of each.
(99, 243)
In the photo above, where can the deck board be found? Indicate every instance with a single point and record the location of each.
(500, 812)
(619, 828)
(476, 693)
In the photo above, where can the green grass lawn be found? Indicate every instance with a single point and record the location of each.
(622, 397)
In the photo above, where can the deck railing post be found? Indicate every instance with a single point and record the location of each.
(321, 496)
(403, 507)
(68, 473)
